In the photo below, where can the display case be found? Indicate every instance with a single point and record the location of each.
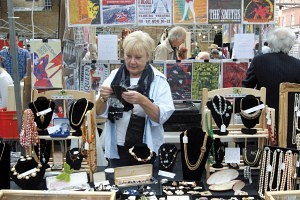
(55, 195)
(282, 195)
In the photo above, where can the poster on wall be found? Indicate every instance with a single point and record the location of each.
(160, 66)
(258, 12)
(92, 75)
(83, 12)
(189, 11)
(179, 77)
(155, 12)
(243, 46)
(233, 73)
(118, 12)
(69, 54)
(205, 75)
(224, 11)
(46, 63)
(107, 47)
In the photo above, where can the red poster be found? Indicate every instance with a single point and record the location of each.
(233, 73)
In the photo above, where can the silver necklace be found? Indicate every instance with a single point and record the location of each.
(164, 155)
(220, 111)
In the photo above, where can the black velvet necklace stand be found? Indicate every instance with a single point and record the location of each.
(77, 112)
(215, 112)
(141, 151)
(195, 142)
(41, 104)
(249, 101)
(33, 182)
(219, 153)
(167, 154)
(4, 165)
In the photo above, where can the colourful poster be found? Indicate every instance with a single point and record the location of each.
(92, 75)
(224, 11)
(179, 76)
(189, 11)
(83, 12)
(118, 12)
(258, 12)
(46, 63)
(205, 75)
(233, 73)
(160, 65)
(154, 13)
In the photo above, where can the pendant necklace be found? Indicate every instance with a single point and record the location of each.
(164, 155)
(220, 111)
(40, 114)
(83, 114)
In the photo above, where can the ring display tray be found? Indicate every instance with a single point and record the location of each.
(182, 187)
(133, 175)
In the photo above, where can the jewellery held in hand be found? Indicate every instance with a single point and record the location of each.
(102, 99)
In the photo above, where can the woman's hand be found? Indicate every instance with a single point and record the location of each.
(133, 97)
(105, 92)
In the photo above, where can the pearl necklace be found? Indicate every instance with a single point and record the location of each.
(274, 164)
(262, 172)
(28, 174)
(166, 163)
(267, 171)
(140, 159)
(287, 157)
(29, 134)
(254, 115)
(195, 166)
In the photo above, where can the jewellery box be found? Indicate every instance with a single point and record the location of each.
(133, 175)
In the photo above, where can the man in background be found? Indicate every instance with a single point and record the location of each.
(265, 48)
(167, 49)
(23, 56)
(271, 69)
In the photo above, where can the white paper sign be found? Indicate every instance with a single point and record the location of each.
(107, 47)
(232, 155)
(243, 45)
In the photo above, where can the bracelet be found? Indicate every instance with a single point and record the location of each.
(102, 99)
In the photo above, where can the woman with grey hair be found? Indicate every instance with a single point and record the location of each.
(167, 50)
(136, 98)
(271, 69)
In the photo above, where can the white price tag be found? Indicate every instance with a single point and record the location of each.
(223, 128)
(43, 112)
(296, 108)
(282, 166)
(298, 113)
(185, 139)
(269, 168)
(269, 121)
(86, 146)
(297, 163)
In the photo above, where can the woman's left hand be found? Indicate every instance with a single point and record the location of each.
(132, 97)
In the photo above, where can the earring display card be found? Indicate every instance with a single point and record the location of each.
(183, 188)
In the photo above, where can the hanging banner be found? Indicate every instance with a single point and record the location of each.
(258, 12)
(154, 12)
(118, 12)
(190, 11)
(233, 73)
(224, 11)
(83, 12)
(205, 75)
(46, 63)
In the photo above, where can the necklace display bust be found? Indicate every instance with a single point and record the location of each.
(77, 112)
(42, 109)
(221, 111)
(167, 154)
(249, 119)
(141, 154)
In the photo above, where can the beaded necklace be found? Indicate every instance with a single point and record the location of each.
(164, 156)
(296, 117)
(209, 131)
(195, 166)
(28, 174)
(267, 170)
(271, 127)
(254, 115)
(274, 163)
(140, 159)
(219, 110)
(287, 156)
(262, 172)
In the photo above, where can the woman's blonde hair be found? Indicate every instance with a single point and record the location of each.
(139, 42)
